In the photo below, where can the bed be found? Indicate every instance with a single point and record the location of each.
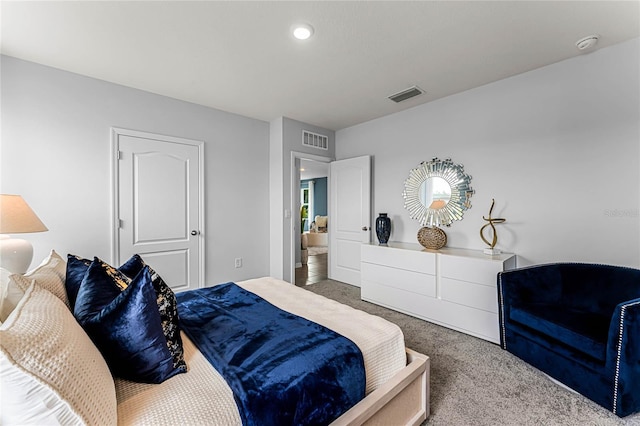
(36, 320)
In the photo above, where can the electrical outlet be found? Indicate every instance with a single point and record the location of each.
(238, 262)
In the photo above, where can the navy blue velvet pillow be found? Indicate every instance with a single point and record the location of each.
(167, 307)
(165, 298)
(76, 269)
(125, 325)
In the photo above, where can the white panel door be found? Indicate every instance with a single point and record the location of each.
(159, 206)
(350, 183)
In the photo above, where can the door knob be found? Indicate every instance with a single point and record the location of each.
(194, 232)
(364, 228)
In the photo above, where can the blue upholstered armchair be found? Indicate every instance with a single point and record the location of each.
(578, 323)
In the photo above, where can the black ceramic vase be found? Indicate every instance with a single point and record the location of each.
(383, 228)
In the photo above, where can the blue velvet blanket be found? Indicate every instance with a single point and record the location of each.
(283, 369)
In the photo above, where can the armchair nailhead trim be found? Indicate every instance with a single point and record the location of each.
(502, 321)
(620, 334)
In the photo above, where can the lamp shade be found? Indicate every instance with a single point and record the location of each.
(16, 217)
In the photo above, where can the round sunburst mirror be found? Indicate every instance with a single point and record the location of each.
(437, 192)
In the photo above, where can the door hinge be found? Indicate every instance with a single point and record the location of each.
(120, 223)
(120, 155)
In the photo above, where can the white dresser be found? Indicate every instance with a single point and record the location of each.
(455, 288)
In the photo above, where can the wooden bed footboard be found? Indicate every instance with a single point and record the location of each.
(403, 400)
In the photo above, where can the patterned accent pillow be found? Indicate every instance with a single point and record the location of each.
(167, 306)
(125, 324)
(50, 371)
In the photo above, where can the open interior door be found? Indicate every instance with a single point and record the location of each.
(350, 217)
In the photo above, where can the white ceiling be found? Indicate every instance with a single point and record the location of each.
(241, 58)
(310, 169)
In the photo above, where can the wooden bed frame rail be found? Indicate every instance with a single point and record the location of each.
(403, 400)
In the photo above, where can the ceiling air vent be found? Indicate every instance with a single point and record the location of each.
(406, 94)
(315, 140)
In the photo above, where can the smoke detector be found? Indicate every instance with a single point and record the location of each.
(587, 43)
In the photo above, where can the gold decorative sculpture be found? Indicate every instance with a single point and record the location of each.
(491, 250)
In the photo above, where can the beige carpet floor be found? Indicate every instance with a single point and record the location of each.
(474, 382)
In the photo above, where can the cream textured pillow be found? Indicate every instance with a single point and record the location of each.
(50, 371)
(10, 294)
(50, 275)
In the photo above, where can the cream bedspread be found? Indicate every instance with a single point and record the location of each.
(201, 396)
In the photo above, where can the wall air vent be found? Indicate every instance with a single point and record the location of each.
(315, 140)
(406, 94)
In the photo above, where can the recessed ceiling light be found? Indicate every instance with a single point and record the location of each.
(302, 31)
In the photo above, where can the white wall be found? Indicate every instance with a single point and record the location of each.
(55, 152)
(286, 137)
(277, 220)
(558, 148)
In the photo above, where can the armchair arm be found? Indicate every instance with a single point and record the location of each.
(540, 284)
(623, 356)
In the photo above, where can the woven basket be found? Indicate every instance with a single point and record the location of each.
(432, 238)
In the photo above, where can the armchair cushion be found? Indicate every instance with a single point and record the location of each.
(584, 331)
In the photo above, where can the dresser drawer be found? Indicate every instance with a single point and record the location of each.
(417, 261)
(403, 301)
(479, 271)
(470, 294)
(398, 279)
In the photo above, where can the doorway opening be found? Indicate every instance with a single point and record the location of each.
(310, 197)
